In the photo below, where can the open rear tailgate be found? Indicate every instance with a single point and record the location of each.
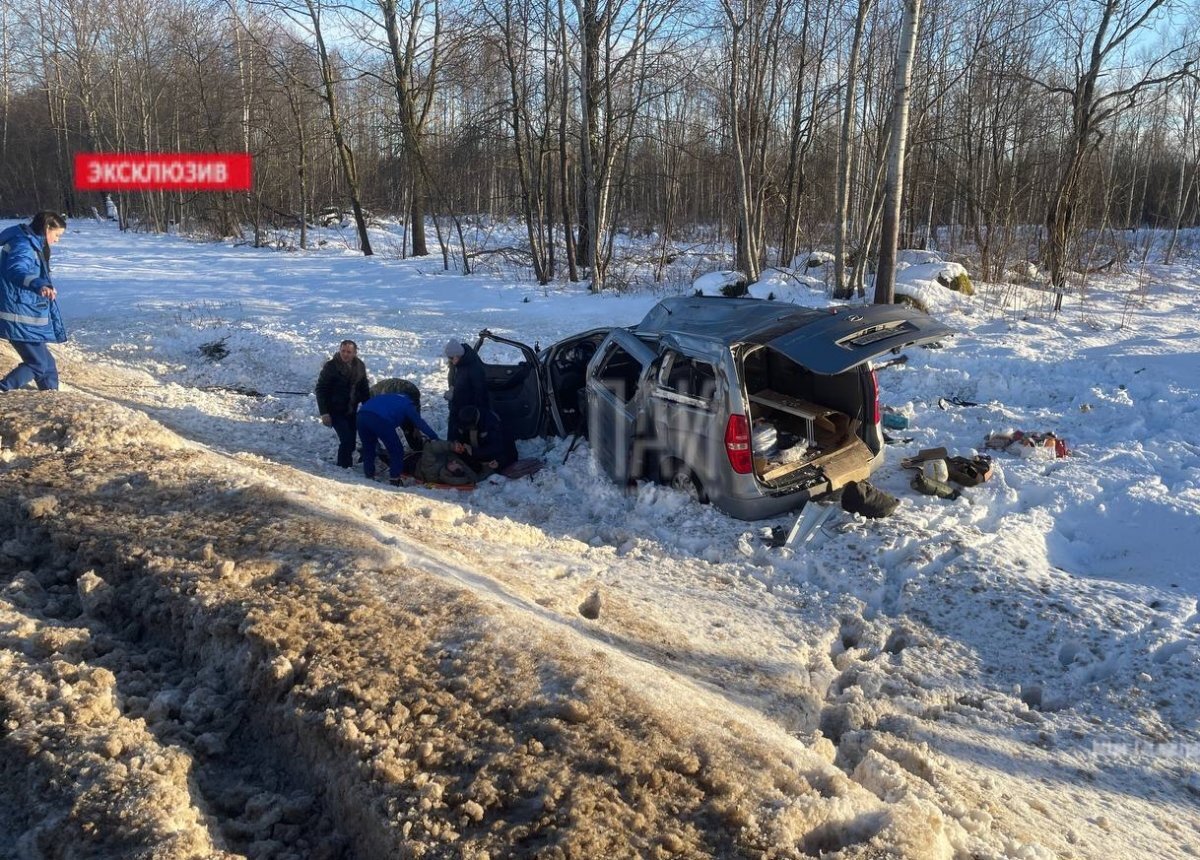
(841, 340)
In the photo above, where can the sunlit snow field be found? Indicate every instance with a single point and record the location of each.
(1041, 633)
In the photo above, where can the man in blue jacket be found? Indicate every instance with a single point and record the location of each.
(379, 420)
(29, 317)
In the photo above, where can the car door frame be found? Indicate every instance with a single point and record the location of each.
(609, 417)
(555, 423)
(538, 408)
(683, 426)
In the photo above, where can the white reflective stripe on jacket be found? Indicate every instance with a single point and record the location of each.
(24, 320)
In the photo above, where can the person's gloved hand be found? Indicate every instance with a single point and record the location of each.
(327, 420)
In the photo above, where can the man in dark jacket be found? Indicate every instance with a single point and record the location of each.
(379, 421)
(482, 440)
(341, 387)
(468, 387)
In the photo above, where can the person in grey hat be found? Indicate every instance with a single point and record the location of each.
(468, 387)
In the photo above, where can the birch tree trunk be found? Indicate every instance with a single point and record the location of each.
(5, 76)
(564, 171)
(587, 245)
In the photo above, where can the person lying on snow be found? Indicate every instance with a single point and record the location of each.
(438, 464)
(380, 420)
(483, 441)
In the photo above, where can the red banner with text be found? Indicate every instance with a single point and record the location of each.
(159, 171)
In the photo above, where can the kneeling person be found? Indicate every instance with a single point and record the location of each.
(483, 440)
(379, 420)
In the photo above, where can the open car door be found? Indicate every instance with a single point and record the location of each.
(514, 382)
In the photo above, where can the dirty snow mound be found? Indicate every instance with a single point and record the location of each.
(214, 665)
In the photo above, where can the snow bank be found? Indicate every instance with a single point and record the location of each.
(177, 618)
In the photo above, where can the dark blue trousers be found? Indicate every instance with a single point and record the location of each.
(373, 429)
(37, 365)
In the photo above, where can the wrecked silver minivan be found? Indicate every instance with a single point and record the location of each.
(755, 406)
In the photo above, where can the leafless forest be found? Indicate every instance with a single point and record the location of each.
(1013, 127)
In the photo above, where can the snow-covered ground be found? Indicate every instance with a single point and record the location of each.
(191, 582)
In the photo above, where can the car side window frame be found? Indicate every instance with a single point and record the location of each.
(600, 376)
(668, 391)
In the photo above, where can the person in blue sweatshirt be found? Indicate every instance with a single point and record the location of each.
(29, 317)
(379, 420)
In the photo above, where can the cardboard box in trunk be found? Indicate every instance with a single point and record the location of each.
(834, 466)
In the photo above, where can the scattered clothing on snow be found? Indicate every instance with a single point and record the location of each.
(936, 469)
(947, 402)
(1018, 441)
(860, 497)
(969, 471)
(922, 483)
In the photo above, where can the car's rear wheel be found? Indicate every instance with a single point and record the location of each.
(679, 476)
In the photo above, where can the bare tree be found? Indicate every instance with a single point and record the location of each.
(529, 147)
(310, 17)
(614, 37)
(581, 118)
(754, 33)
(811, 98)
(6, 75)
(1188, 155)
(414, 44)
(845, 171)
(885, 274)
(1099, 35)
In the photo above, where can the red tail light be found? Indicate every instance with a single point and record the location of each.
(873, 415)
(737, 444)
